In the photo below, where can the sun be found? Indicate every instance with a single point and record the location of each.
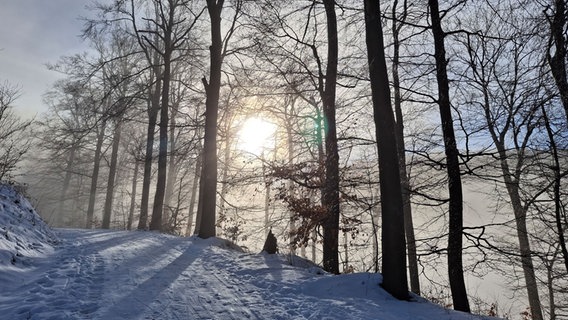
(256, 136)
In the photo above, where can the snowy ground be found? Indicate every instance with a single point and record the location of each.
(94, 274)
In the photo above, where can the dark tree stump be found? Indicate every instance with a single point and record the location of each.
(270, 245)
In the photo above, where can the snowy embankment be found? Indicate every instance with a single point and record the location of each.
(95, 274)
(23, 234)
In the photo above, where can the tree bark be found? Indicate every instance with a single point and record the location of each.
(153, 109)
(225, 177)
(157, 211)
(289, 108)
(550, 279)
(557, 61)
(393, 237)
(267, 227)
(208, 189)
(406, 207)
(556, 189)
(193, 196)
(133, 195)
(59, 217)
(524, 243)
(95, 175)
(172, 169)
(107, 212)
(455, 234)
(331, 188)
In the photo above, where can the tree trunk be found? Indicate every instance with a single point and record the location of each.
(107, 213)
(290, 142)
(208, 189)
(224, 178)
(314, 241)
(557, 62)
(157, 211)
(59, 217)
(374, 222)
(153, 109)
(550, 286)
(406, 207)
(76, 221)
(175, 210)
(520, 212)
(95, 175)
(556, 189)
(331, 188)
(455, 234)
(393, 237)
(321, 160)
(193, 196)
(267, 226)
(133, 195)
(525, 249)
(172, 169)
(511, 178)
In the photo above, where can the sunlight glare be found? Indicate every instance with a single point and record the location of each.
(256, 135)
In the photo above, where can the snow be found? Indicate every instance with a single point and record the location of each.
(23, 234)
(104, 274)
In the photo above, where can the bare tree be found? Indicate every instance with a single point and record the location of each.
(397, 25)
(291, 50)
(331, 186)
(208, 185)
(393, 237)
(558, 174)
(455, 236)
(64, 132)
(509, 94)
(119, 82)
(206, 209)
(174, 34)
(136, 153)
(13, 140)
(556, 54)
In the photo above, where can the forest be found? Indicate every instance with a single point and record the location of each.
(421, 139)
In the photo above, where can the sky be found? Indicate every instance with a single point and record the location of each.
(32, 34)
(106, 274)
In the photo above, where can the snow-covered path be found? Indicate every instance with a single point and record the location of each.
(142, 275)
(94, 274)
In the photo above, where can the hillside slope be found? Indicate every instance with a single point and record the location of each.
(95, 274)
(23, 233)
